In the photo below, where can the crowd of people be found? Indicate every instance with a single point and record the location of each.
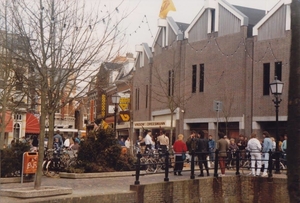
(205, 147)
(69, 142)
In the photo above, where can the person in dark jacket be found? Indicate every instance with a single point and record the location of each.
(222, 146)
(202, 152)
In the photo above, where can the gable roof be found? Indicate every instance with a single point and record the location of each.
(214, 4)
(272, 12)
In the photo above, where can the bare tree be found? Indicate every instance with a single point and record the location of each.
(168, 83)
(64, 42)
(293, 149)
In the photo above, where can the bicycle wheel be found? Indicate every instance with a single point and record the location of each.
(151, 166)
(160, 164)
(246, 168)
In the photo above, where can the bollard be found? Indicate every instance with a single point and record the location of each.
(237, 162)
(216, 163)
(166, 166)
(270, 164)
(138, 167)
(193, 165)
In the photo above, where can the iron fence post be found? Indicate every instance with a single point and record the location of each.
(166, 166)
(138, 167)
(216, 163)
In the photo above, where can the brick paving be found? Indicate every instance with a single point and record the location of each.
(104, 185)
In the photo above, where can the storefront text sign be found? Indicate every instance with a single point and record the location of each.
(151, 124)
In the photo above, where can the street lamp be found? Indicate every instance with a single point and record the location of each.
(115, 100)
(276, 88)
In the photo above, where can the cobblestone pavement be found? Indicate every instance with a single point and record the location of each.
(105, 185)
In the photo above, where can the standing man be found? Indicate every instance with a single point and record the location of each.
(254, 147)
(222, 146)
(267, 146)
(148, 141)
(202, 150)
(163, 142)
(192, 142)
(211, 147)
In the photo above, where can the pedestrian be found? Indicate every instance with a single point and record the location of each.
(127, 143)
(232, 152)
(222, 146)
(179, 147)
(192, 142)
(211, 146)
(163, 142)
(67, 142)
(242, 146)
(267, 146)
(254, 146)
(121, 142)
(273, 144)
(284, 148)
(148, 141)
(284, 144)
(35, 143)
(60, 140)
(203, 152)
(76, 145)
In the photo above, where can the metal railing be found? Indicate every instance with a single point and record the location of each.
(241, 163)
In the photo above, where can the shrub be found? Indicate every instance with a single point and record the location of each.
(11, 159)
(101, 152)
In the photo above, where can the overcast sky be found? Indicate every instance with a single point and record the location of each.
(141, 25)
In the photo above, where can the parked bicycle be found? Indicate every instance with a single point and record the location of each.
(153, 161)
(55, 161)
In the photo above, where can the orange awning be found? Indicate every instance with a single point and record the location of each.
(8, 122)
(32, 124)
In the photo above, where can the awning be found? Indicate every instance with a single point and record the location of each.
(32, 124)
(8, 122)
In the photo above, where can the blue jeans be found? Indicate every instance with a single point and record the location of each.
(211, 154)
(265, 160)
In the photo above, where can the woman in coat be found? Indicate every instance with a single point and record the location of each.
(179, 147)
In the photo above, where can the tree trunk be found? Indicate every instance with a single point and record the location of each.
(39, 173)
(293, 149)
(51, 129)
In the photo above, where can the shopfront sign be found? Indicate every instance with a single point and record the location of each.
(152, 124)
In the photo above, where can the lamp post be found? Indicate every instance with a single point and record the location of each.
(115, 100)
(276, 88)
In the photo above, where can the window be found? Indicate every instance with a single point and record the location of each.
(201, 82)
(213, 14)
(266, 79)
(171, 83)
(278, 70)
(17, 117)
(146, 96)
(137, 92)
(194, 78)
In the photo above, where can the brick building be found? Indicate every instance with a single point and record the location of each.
(227, 55)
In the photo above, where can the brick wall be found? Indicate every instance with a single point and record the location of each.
(233, 189)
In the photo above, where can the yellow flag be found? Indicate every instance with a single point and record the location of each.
(104, 125)
(167, 5)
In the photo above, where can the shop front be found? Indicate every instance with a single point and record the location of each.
(156, 128)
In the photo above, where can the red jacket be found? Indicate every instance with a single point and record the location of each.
(179, 147)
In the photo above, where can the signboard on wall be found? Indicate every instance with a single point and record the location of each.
(153, 124)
